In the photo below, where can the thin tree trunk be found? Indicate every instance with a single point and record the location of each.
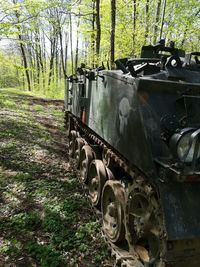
(37, 57)
(43, 57)
(22, 48)
(51, 64)
(44, 52)
(134, 21)
(23, 78)
(56, 68)
(66, 52)
(40, 64)
(98, 28)
(77, 44)
(56, 65)
(71, 42)
(147, 21)
(112, 32)
(31, 58)
(25, 62)
(157, 21)
(93, 34)
(62, 53)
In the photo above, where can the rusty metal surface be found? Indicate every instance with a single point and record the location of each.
(86, 157)
(112, 210)
(97, 177)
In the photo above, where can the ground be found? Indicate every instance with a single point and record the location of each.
(45, 218)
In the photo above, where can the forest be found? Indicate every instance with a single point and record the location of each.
(46, 220)
(44, 41)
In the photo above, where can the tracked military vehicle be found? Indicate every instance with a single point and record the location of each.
(135, 135)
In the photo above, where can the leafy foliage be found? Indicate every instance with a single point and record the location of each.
(45, 40)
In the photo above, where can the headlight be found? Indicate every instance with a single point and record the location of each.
(184, 144)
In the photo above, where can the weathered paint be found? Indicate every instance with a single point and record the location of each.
(127, 112)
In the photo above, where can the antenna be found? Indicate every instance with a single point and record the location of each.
(163, 16)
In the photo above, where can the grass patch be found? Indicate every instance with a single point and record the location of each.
(44, 217)
(6, 103)
(39, 108)
(45, 254)
(25, 220)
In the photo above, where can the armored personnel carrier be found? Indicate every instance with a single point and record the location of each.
(135, 135)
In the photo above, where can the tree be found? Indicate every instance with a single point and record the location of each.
(50, 38)
(98, 28)
(134, 20)
(112, 31)
(22, 46)
(156, 21)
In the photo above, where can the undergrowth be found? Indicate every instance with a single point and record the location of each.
(45, 220)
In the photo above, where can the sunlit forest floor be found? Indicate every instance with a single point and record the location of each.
(44, 218)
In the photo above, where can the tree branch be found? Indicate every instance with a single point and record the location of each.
(78, 14)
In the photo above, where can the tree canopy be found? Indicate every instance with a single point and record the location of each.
(44, 41)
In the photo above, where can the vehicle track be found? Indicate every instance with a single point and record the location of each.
(127, 205)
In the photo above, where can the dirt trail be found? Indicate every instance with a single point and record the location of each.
(44, 218)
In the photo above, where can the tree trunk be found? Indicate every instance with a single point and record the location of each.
(62, 53)
(40, 64)
(31, 58)
(56, 65)
(66, 52)
(43, 58)
(22, 48)
(157, 21)
(147, 22)
(25, 61)
(93, 34)
(51, 64)
(77, 44)
(98, 28)
(112, 32)
(134, 21)
(71, 43)
(37, 58)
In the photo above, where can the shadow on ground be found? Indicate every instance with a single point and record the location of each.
(45, 220)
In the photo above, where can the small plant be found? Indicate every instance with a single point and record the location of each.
(45, 254)
(97, 259)
(52, 222)
(86, 230)
(38, 108)
(8, 104)
(41, 199)
(11, 247)
(25, 220)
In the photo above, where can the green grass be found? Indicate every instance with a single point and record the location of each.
(53, 92)
(15, 91)
(44, 217)
(45, 254)
(39, 108)
(9, 104)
